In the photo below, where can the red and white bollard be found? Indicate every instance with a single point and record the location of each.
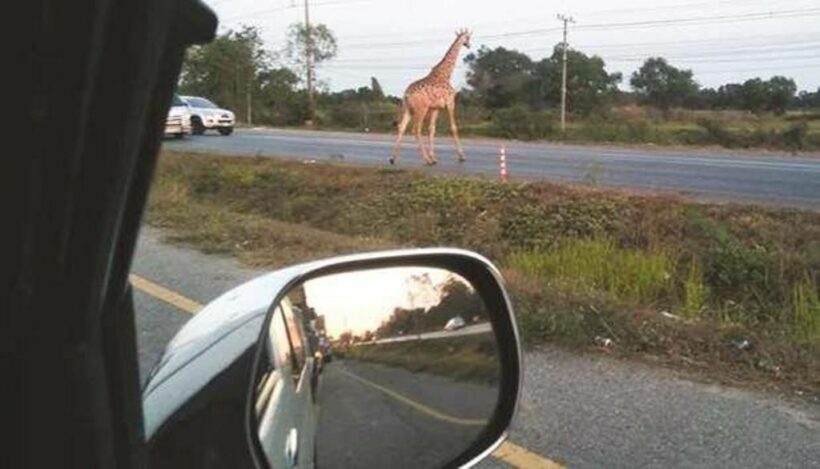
(502, 163)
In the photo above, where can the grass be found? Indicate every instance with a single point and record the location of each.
(695, 292)
(629, 274)
(580, 261)
(466, 358)
(256, 241)
(806, 308)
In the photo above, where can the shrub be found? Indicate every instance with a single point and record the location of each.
(520, 123)
(794, 138)
(717, 133)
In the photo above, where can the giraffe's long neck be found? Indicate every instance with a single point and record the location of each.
(444, 69)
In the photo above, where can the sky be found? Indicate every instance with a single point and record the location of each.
(361, 300)
(398, 41)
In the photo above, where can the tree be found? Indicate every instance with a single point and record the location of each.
(503, 78)
(773, 95)
(346, 338)
(227, 70)
(753, 93)
(730, 96)
(589, 85)
(662, 85)
(808, 99)
(319, 38)
(499, 76)
(279, 101)
(781, 91)
(376, 87)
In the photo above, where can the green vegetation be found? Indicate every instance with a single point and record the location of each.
(662, 85)
(806, 310)
(457, 299)
(467, 358)
(580, 262)
(628, 274)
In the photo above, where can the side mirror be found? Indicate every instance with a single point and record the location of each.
(361, 361)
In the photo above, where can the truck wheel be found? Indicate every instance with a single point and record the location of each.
(226, 130)
(196, 126)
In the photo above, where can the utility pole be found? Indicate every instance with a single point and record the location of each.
(309, 65)
(565, 19)
(248, 100)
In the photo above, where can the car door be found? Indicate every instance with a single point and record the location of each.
(284, 406)
(301, 376)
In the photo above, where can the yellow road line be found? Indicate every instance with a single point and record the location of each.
(417, 405)
(164, 294)
(517, 456)
(509, 453)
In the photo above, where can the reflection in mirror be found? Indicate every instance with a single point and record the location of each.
(385, 367)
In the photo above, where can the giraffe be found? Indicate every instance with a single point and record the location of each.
(427, 97)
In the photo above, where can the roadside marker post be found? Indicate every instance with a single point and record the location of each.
(502, 163)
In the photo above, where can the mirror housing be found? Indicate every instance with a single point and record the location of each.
(198, 399)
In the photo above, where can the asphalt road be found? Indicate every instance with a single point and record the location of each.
(580, 410)
(775, 178)
(365, 402)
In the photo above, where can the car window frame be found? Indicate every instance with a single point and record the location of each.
(297, 368)
(210, 104)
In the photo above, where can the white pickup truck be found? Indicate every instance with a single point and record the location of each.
(207, 115)
(178, 122)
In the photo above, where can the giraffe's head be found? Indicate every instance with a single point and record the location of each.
(464, 35)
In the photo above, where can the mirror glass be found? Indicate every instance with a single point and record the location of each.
(385, 367)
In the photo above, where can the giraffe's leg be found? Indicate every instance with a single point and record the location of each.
(418, 124)
(433, 121)
(405, 120)
(451, 110)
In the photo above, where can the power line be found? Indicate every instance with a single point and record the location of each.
(442, 30)
(691, 21)
(714, 56)
(708, 42)
(759, 69)
(719, 60)
(707, 47)
(704, 19)
(257, 13)
(267, 11)
(542, 31)
(383, 67)
(615, 11)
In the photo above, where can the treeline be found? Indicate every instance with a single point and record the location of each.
(501, 78)
(265, 87)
